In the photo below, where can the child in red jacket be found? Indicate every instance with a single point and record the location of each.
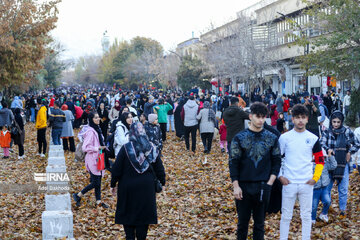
(5, 139)
(223, 142)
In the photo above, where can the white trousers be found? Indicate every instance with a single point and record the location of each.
(290, 192)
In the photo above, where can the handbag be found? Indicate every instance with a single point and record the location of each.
(157, 183)
(15, 129)
(101, 161)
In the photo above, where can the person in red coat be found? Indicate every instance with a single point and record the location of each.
(274, 115)
(286, 107)
(223, 142)
(78, 115)
(5, 139)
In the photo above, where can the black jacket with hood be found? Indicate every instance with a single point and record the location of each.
(234, 118)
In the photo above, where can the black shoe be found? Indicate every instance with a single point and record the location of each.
(77, 199)
(205, 151)
(342, 214)
(222, 150)
(104, 205)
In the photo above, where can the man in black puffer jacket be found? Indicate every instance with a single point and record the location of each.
(234, 118)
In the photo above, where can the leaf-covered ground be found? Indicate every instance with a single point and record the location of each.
(197, 202)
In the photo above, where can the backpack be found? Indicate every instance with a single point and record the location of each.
(110, 143)
(79, 153)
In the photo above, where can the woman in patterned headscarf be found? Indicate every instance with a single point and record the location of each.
(134, 170)
(340, 142)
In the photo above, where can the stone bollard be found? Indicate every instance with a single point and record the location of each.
(57, 219)
(56, 161)
(60, 202)
(57, 178)
(57, 224)
(56, 147)
(56, 153)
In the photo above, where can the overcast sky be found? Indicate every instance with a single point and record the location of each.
(82, 22)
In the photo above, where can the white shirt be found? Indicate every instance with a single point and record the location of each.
(297, 165)
(347, 100)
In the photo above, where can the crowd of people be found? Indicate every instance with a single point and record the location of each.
(280, 148)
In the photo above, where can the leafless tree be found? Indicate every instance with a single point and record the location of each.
(238, 51)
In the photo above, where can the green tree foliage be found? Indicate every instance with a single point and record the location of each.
(53, 66)
(129, 63)
(87, 70)
(24, 35)
(336, 52)
(191, 73)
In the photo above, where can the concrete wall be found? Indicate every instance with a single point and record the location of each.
(270, 12)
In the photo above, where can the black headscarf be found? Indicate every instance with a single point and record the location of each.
(123, 118)
(341, 146)
(140, 151)
(96, 127)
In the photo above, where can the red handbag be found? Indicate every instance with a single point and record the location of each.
(101, 161)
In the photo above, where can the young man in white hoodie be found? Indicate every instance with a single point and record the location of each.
(296, 173)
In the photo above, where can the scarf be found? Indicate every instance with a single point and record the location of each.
(340, 146)
(98, 131)
(211, 115)
(118, 108)
(340, 153)
(140, 151)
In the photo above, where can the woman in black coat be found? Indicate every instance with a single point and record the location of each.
(104, 119)
(20, 138)
(136, 196)
(179, 125)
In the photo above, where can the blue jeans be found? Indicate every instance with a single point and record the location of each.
(342, 188)
(55, 134)
(32, 118)
(285, 116)
(170, 121)
(323, 195)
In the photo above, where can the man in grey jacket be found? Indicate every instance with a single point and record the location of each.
(6, 116)
(280, 103)
(188, 114)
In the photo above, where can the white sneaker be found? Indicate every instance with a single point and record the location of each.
(324, 217)
(42, 155)
(20, 157)
(37, 154)
(313, 222)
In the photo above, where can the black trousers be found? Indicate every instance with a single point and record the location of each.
(21, 150)
(256, 197)
(163, 131)
(69, 141)
(139, 231)
(191, 130)
(41, 139)
(229, 147)
(77, 123)
(207, 140)
(95, 182)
